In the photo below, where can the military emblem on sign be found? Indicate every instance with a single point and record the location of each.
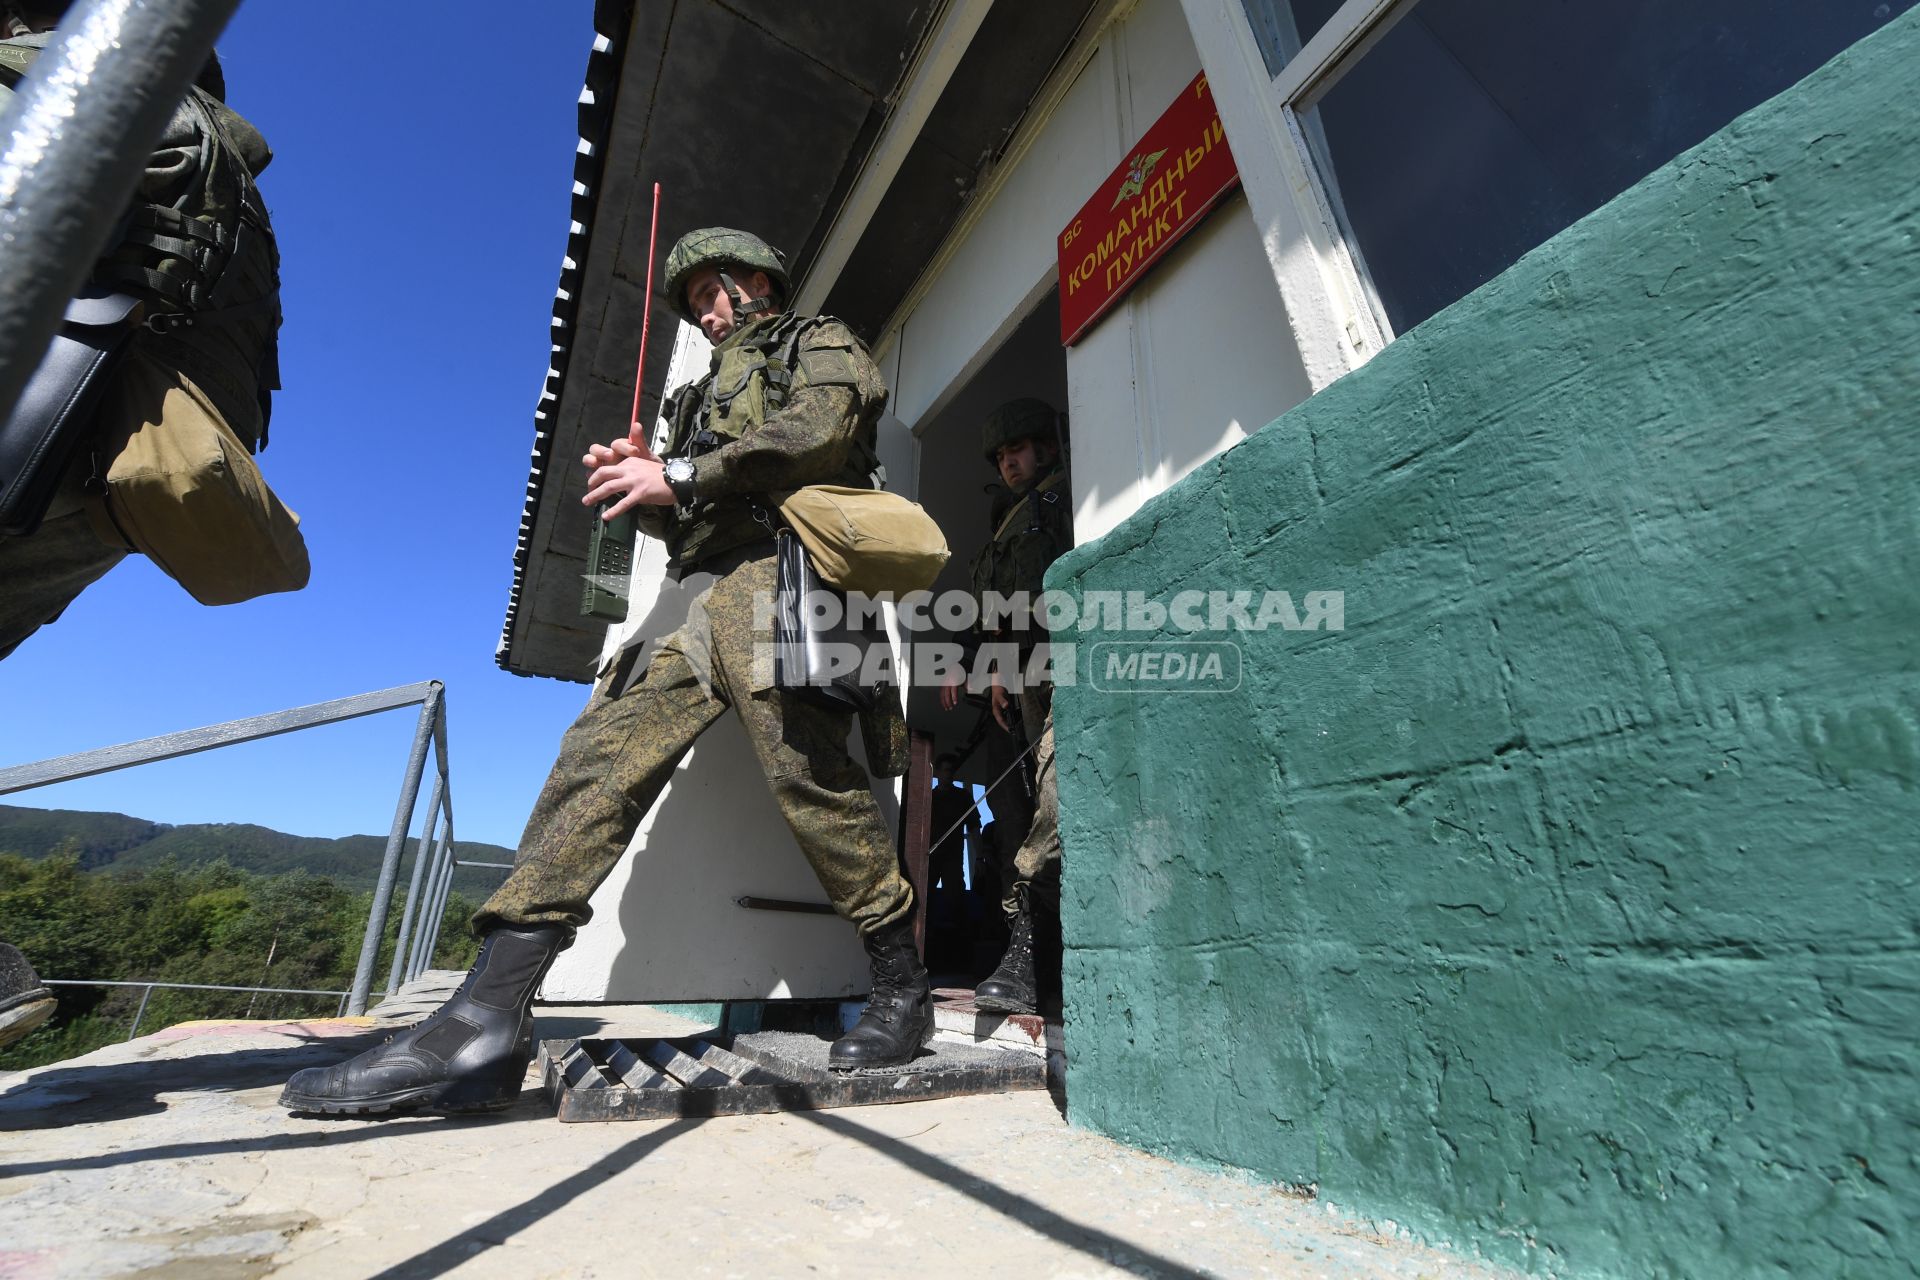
(1139, 169)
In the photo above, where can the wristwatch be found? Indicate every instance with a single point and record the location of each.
(678, 473)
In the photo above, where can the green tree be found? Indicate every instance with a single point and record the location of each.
(211, 924)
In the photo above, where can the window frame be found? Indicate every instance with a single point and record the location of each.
(1308, 76)
(1333, 306)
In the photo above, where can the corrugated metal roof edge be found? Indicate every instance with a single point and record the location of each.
(612, 22)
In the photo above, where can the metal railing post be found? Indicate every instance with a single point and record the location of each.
(442, 866)
(78, 135)
(431, 937)
(423, 937)
(441, 856)
(141, 1012)
(390, 863)
(427, 849)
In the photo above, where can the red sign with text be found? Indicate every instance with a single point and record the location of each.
(1176, 172)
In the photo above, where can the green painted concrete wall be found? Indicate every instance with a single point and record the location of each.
(1564, 904)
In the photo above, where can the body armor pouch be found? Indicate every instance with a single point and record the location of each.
(180, 261)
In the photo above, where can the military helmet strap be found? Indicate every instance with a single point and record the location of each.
(724, 249)
(744, 307)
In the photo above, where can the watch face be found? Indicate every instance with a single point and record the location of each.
(680, 470)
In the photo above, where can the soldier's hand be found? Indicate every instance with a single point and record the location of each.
(628, 483)
(950, 693)
(637, 438)
(605, 455)
(1002, 706)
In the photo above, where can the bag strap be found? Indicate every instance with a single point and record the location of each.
(1045, 492)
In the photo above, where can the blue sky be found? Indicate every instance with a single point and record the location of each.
(420, 186)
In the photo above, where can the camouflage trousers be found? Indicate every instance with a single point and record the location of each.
(618, 756)
(41, 574)
(1036, 866)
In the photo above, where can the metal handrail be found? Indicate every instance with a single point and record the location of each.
(141, 1012)
(432, 878)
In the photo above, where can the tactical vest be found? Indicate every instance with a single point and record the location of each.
(751, 379)
(1031, 534)
(198, 247)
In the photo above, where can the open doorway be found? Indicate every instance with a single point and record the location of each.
(980, 776)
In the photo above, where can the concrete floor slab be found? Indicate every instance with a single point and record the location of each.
(168, 1157)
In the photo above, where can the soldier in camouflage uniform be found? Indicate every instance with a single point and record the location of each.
(790, 401)
(197, 240)
(1021, 441)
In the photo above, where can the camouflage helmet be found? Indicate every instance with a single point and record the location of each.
(719, 247)
(1014, 421)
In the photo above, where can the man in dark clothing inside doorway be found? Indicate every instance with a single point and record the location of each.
(1022, 441)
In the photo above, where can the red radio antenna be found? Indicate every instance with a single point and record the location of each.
(635, 432)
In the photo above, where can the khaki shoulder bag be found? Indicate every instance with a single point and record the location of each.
(183, 490)
(865, 540)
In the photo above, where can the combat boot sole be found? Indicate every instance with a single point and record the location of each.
(454, 1097)
(23, 1019)
(1005, 1004)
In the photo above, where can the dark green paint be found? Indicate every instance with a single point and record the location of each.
(1565, 903)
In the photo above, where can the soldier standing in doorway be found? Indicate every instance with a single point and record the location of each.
(789, 401)
(1021, 440)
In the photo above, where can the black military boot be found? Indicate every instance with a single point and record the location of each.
(470, 1054)
(898, 1018)
(1013, 988)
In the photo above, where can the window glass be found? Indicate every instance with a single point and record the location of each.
(1474, 130)
(1281, 27)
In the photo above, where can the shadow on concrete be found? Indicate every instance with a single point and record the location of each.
(1091, 1241)
(502, 1226)
(272, 1142)
(1057, 1091)
(74, 1095)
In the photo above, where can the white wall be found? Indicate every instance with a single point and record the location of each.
(1198, 354)
(1197, 357)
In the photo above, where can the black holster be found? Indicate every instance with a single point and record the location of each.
(55, 414)
(819, 658)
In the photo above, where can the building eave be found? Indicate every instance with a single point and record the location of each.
(612, 24)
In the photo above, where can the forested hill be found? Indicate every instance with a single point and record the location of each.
(115, 840)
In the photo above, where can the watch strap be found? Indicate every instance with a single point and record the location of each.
(679, 476)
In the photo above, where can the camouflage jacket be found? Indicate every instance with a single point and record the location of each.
(203, 167)
(788, 401)
(1031, 531)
